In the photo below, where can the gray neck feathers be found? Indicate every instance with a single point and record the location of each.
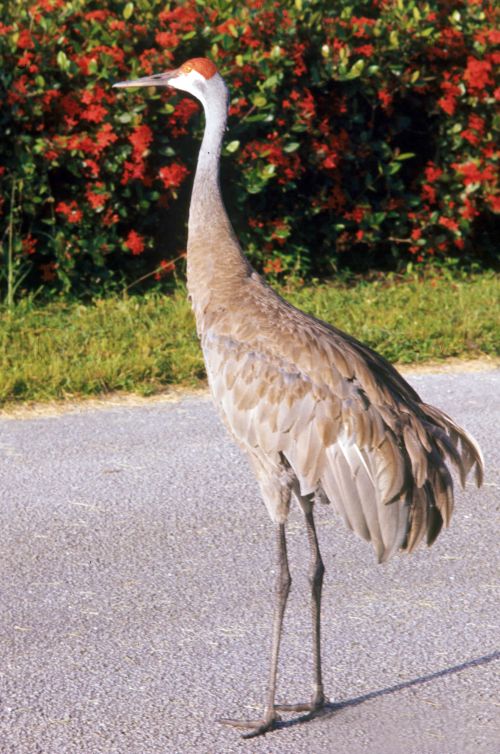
(215, 262)
(206, 199)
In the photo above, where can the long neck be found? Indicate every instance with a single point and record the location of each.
(215, 259)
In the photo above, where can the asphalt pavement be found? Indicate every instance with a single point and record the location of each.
(136, 575)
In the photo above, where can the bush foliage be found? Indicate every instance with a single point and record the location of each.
(360, 134)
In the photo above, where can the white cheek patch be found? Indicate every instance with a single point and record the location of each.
(192, 82)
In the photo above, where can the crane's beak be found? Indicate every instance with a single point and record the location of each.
(158, 79)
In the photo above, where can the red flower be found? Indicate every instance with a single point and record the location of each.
(475, 131)
(135, 243)
(25, 41)
(70, 106)
(48, 96)
(429, 193)
(97, 15)
(449, 101)
(469, 211)
(71, 211)
(93, 167)
(29, 244)
(166, 39)
(494, 202)
(280, 232)
(477, 75)
(140, 138)
(447, 222)
(365, 50)
(165, 267)
(25, 60)
(432, 173)
(96, 200)
(472, 174)
(477, 123)
(273, 265)
(185, 109)
(331, 161)
(385, 97)
(94, 113)
(357, 214)
(173, 175)
(110, 218)
(470, 136)
(105, 136)
(306, 106)
(359, 23)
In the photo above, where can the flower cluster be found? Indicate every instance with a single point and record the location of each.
(358, 135)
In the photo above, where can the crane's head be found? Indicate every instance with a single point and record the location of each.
(194, 76)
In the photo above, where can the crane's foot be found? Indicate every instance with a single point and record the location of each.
(315, 705)
(256, 727)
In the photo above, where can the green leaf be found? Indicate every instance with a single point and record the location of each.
(356, 70)
(62, 60)
(404, 156)
(394, 39)
(232, 146)
(128, 10)
(269, 170)
(270, 82)
(292, 146)
(259, 100)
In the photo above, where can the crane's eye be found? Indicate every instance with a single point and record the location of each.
(187, 68)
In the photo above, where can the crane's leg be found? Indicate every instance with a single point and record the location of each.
(316, 572)
(283, 583)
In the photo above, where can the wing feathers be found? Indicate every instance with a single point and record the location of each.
(350, 428)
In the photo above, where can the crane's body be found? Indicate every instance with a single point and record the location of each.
(322, 417)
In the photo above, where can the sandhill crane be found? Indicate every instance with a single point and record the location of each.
(321, 416)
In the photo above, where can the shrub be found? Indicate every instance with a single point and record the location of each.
(360, 136)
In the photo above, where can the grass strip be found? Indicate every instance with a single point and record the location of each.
(143, 344)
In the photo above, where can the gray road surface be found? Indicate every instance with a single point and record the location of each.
(135, 579)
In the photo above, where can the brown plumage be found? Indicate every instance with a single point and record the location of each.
(321, 416)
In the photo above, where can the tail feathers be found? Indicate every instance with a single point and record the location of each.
(399, 491)
(455, 443)
(432, 502)
(431, 507)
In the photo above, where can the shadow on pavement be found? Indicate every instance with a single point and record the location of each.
(331, 708)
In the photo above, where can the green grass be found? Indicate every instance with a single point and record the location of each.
(144, 344)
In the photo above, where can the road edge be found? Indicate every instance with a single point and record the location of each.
(174, 394)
